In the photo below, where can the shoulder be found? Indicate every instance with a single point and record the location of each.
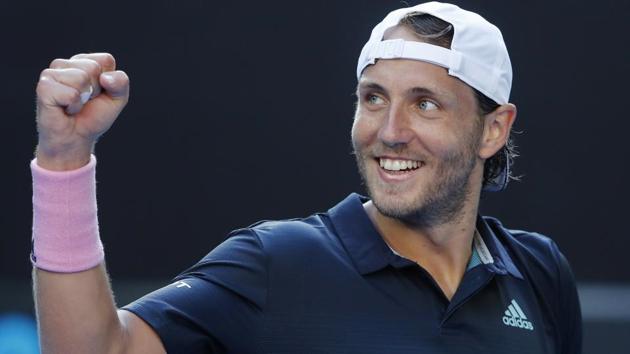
(267, 235)
(283, 241)
(308, 226)
(294, 235)
(534, 251)
(296, 247)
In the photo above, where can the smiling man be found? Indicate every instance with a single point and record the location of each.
(421, 141)
(413, 268)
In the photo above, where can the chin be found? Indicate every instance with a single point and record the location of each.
(401, 205)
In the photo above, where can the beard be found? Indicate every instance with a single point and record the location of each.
(440, 202)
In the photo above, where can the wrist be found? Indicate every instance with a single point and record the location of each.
(63, 159)
(65, 221)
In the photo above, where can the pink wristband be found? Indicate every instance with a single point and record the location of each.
(65, 222)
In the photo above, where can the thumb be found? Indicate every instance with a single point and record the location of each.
(115, 83)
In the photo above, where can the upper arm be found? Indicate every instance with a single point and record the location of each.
(208, 307)
(139, 337)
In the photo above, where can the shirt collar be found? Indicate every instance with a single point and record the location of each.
(365, 245)
(370, 253)
(502, 263)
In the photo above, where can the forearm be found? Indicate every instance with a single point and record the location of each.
(74, 302)
(76, 312)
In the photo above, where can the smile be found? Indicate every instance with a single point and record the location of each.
(398, 164)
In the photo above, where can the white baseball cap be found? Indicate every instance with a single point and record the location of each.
(477, 56)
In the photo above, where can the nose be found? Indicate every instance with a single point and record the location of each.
(395, 130)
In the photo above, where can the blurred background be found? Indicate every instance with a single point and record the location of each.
(241, 111)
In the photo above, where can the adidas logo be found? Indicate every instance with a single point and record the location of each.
(515, 317)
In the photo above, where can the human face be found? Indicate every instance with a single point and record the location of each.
(416, 137)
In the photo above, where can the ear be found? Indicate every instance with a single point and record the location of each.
(497, 129)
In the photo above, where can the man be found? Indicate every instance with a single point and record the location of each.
(414, 268)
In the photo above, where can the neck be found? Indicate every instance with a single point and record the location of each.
(443, 250)
(451, 238)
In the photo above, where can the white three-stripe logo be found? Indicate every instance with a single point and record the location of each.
(515, 317)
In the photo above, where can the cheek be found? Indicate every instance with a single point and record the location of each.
(434, 137)
(460, 141)
(362, 132)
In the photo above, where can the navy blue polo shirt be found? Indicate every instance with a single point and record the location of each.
(328, 283)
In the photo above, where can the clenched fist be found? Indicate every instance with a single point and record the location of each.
(78, 99)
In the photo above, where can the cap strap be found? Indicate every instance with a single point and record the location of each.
(401, 49)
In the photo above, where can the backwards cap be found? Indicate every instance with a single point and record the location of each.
(477, 56)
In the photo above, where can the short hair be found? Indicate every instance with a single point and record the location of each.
(433, 30)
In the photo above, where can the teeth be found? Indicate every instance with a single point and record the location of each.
(397, 165)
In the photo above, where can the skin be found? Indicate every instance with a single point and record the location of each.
(413, 110)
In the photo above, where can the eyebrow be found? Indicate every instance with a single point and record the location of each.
(371, 86)
(414, 90)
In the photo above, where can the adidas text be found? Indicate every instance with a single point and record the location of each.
(511, 321)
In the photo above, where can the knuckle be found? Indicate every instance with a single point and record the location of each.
(123, 76)
(93, 67)
(78, 56)
(73, 95)
(46, 73)
(109, 59)
(47, 76)
(84, 76)
(103, 59)
(42, 88)
(57, 63)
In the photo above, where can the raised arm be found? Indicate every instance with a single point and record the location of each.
(78, 99)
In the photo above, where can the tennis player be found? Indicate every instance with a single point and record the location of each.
(410, 268)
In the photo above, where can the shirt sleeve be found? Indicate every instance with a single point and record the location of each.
(212, 306)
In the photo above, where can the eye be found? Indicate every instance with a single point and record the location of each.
(426, 105)
(374, 99)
